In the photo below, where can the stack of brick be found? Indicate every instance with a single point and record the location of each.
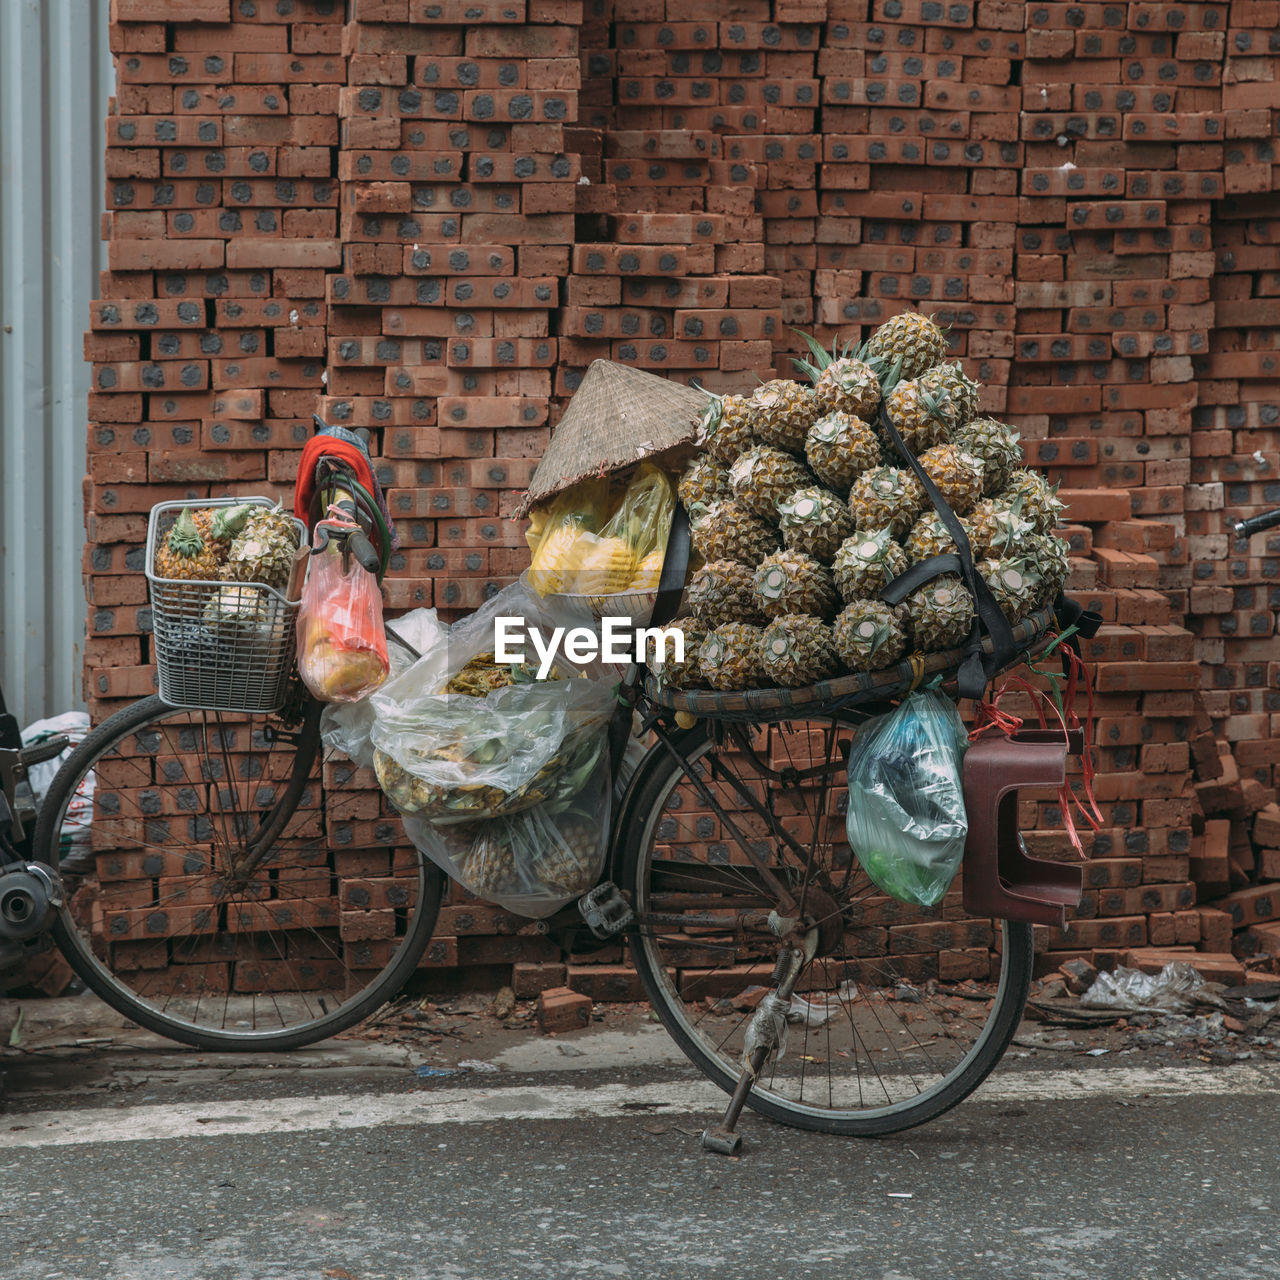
(447, 210)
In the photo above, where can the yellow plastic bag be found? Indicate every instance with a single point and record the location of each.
(554, 532)
(643, 516)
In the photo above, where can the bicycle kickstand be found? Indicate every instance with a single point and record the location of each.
(766, 1034)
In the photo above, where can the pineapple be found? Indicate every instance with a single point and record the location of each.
(185, 554)
(886, 497)
(1016, 584)
(998, 529)
(957, 474)
(941, 614)
(763, 476)
(908, 343)
(726, 429)
(568, 865)
(923, 415)
(867, 563)
(235, 610)
(1052, 557)
(995, 446)
(684, 674)
(1040, 503)
(729, 658)
(929, 537)
(796, 650)
(701, 483)
(950, 380)
(792, 582)
(815, 521)
(839, 448)
(727, 531)
(870, 635)
(841, 382)
(781, 413)
(263, 549)
(722, 591)
(219, 525)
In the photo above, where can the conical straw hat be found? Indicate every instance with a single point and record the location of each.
(618, 416)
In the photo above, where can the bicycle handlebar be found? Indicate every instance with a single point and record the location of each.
(1256, 524)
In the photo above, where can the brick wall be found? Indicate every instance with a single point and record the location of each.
(428, 221)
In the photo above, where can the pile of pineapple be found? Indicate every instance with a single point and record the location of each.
(243, 544)
(802, 512)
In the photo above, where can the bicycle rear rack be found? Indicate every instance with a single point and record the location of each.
(1000, 878)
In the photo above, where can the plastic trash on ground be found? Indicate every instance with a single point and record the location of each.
(1177, 988)
(906, 819)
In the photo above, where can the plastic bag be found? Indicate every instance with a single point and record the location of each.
(458, 757)
(342, 648)
(531, 862)
(74, 842)
(554, 532)
(345, 726)
(906, 819)
(592, 542)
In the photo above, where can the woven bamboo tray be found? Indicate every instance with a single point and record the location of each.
(842, 691)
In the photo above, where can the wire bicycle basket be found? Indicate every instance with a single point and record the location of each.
(242, 663)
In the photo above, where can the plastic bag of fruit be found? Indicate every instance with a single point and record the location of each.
(906, 819)
(599, 538)
(462, 735)
(342, 647)
(534, 861)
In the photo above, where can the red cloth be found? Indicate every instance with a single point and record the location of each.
(322, 446)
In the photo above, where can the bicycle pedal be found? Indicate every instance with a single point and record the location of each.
(605, 910)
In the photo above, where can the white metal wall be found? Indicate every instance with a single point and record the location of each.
(55, 79)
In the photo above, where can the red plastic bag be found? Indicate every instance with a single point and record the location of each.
(342, 646)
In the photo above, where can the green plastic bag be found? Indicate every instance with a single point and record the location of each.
(906, 819)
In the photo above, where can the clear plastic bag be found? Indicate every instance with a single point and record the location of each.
(457, 757)
(532, 862)
(342, 648)
(906, 819)
(592, 541)
(345, 726)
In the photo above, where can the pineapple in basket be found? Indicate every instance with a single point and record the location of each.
(886, 498)
(961, 391)
(870, 635)
(924, 415)
(866, 563)
(791, 582)
(957, 474)
(908, 343)
(1040, 502)
(729, 658)
(842, 383)
(185, 553)
(701, 483)
(797, 650)
(763, 476)
(816, 521)
(839, 448)
(727, 531)
(726, 428)
(929, 537)
(263, 549)
(722, 591)
(219, 526)
(1015, 582)
(781, 413)
(941, 614)
(995, 446)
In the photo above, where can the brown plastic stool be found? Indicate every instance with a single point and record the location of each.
(1000, 878)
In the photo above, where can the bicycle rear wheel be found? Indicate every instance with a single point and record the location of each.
(879, 1042)
(220, 900)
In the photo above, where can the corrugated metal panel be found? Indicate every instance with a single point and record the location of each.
(55, 79)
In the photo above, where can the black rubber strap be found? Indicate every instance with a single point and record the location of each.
(675, 565)
(977, 667)
(915, 577)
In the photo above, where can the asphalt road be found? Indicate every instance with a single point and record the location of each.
(580, 1158)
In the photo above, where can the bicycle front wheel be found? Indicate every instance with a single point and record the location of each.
(878, 1040)
(219, 896)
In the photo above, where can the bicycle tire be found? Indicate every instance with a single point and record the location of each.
(690, 1001)
(177, 793)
